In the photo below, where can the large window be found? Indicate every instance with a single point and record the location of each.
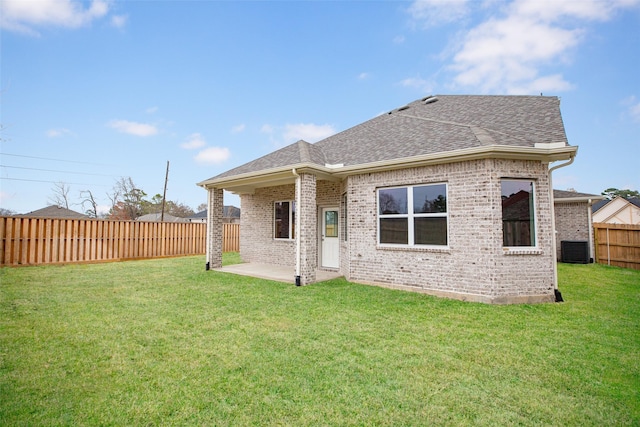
(284, 220)
(518, 213)
(413, 215)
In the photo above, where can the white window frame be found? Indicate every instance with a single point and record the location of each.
(292, 209)
(410, 215)
(534, 215)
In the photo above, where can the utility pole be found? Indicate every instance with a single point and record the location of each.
(164, 193)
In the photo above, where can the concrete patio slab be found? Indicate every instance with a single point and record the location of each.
(273, 272)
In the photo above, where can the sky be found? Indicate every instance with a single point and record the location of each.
(92, 91)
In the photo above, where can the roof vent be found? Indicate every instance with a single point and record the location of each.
(403, 108)
(429, 99)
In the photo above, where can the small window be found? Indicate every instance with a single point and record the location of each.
(284, 220)
(518, 213)
(414, 215)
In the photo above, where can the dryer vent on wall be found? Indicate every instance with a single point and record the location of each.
(575, 251)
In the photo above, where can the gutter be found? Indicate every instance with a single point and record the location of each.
(553, 227)
(545, 153)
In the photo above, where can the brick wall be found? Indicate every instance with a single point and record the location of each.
(475, 266)
(572, 223)
(256, 228)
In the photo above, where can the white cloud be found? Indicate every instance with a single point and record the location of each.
(633, 106)
(119, 21)
(54, 133)
(509, 53)
(4, 196)
(103, 209)
(133, 128)
(267, 129)
(151, 110)
(424, 86)
(238, 128)
(22, 16)
(195, 141)
(281, 136)
(635, 112)
(437, 12)
(307, 131)
(212, 155)
(363, 76)
(398, 39)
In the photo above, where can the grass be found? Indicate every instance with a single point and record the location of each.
(163, 342)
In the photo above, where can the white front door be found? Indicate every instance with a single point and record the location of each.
(330, 243)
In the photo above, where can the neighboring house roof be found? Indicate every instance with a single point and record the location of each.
(430, 130)
(155, 217)
(55, 212)
(634, 201)
(231, 212)
(598, 205)
(228, 212)
(201, 214)
(574, 196)
(618, 211)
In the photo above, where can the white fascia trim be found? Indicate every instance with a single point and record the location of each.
(335, 172)
(467, 154)
(577, 199)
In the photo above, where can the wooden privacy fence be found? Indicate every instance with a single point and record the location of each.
(617, 244)
(230, 237)
(28, 241)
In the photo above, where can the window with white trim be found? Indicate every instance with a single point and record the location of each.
(284, 215)
(414, 215)
(518, 213)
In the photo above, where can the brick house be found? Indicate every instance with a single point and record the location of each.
(448, 195)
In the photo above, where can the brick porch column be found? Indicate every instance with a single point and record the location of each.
(308, 233)
(215, 203)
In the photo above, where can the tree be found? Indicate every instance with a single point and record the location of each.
(60, 195)
(610, 193)
(202, 207)
(88, 199)
(178, 209)
(7, 212)
(127, 201)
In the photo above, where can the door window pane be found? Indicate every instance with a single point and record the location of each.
(331, 224)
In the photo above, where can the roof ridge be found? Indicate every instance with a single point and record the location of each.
(303, 148)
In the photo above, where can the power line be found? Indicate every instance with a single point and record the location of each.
(54, 182)
(56, 160)
(53, 170)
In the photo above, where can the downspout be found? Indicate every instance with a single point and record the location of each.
(298, 243)
(207, 250)
(590, 222)
(553, 227)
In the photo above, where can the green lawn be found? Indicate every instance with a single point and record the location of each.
(164, 342)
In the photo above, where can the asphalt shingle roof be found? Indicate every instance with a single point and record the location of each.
(453, 122)
(563, 194)
(55, 212)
